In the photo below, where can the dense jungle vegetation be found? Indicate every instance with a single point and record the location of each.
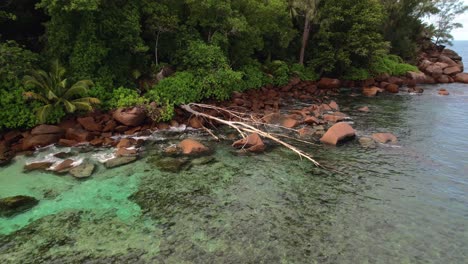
(61, 56)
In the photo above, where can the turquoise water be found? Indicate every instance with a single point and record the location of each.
(403, 203)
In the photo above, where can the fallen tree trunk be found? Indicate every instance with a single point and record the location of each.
(243, 125)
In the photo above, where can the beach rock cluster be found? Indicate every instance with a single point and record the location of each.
(442, 67)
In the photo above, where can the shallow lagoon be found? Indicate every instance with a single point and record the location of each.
(406, 203)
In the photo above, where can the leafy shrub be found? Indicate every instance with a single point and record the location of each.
(202, 56)
(180, 88)
(392, 65)
(280, 72)
(253, 78)
(219, 84)
(16, 112)
(124, 97)
(104, 95)
(305, 74)
(356, 74)
(15, 61)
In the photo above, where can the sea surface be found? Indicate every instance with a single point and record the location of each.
(461, 47)
(401, 203)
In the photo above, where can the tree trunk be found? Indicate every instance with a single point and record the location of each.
(156, 49)
(305, 39)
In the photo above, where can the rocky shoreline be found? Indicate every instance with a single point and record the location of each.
(123, 129)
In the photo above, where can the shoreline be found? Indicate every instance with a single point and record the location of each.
(104, 129)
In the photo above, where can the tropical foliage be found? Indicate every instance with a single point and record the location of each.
(214, 48)
(55, 93)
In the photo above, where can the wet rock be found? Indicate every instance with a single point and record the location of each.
(443, 92)
(11, 206)
(64, 155)
(364, 109)
(43, 140)
(12, 136)
(79, 135)
(195, 122)
(169, 164)
(333, 118)
(126, 143)
(130, 117)
(444, 79)
(328, 83)
(371, 91)
(452, 70)
(64, 166)
(5, 154)
(109, 126)
(305, 132)
(126, 152)
(203, 160)
(252, 143)
(97, 142)
(385, 138)
(289, 122)
(333, 105)
(83, 170)
(417, 77)
(119, 161)
(190, 147)
(312, 120)
(172, 150)
(461, 77)
(47, 129)
(43, 165)
(338, 133)
(67, 143)
(89, 124)
(417, 90)
(392, 88)
(367, 142)
(396, 80)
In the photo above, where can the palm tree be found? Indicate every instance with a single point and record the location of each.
(54, 92)
(309, 10)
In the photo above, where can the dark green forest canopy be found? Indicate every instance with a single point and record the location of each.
(214, 46)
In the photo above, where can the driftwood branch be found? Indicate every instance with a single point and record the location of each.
(244, 125)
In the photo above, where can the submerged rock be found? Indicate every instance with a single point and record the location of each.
(443, 92)
(367, 142)
(203, 161)
(84, 170)
(385, 138)
(338, 133)
(371, 91)
(64, 166)
(11, 206)
(190, 147)
(42, 165)
(364, 109)
(253, 143)
(169, 164)
(119, 161)
(5, 154)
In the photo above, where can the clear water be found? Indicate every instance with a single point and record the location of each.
(393, 204)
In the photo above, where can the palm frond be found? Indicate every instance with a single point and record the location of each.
(88, 100)
(36, 96)
(43, 112)
(83, 106)
(69, 106)
(79, 88)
